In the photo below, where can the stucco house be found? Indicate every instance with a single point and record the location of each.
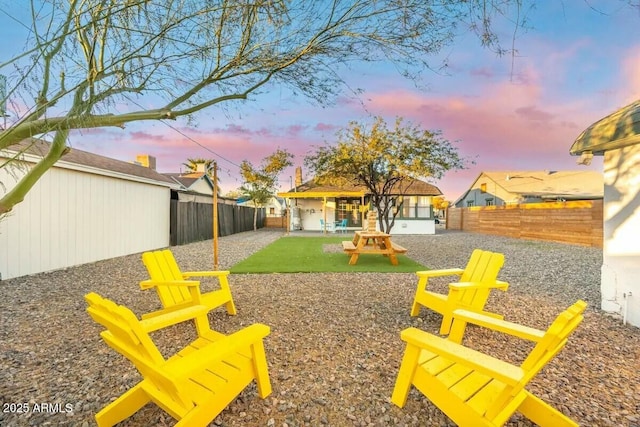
(514, 187)
(196, 182)
(275, 206)
(617, 138)
(311, 202)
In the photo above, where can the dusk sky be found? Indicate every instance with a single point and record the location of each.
(579, 62)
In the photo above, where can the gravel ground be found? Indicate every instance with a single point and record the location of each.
(334, 348)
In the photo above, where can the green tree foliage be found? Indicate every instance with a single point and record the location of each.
(384, 161)
(192, 165)
(260, 184)
(100, 63)
(208, 164)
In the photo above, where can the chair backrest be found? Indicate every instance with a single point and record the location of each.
(162, 266)
(483, 267)
(343, 222)
(125, 335)
(553, 341)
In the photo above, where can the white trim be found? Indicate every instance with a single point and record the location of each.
(31, 158)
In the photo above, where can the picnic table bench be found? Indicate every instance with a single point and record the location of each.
(372, 242)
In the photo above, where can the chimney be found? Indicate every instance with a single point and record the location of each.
(146, 160)
(298, 176)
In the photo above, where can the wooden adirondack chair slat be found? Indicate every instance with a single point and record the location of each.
(475, 389)
(470, 292)
(176, 290)
(195, 384)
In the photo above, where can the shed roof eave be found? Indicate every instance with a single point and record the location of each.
(581, 145)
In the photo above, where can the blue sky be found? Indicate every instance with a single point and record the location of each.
(579, 61)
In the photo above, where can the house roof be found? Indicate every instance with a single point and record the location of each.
(190, 178)
(570, 184)
(412, 187)
(619, 129)
(37, 148)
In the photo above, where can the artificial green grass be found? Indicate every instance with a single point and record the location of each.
(291, 254)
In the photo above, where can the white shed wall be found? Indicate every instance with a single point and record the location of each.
(620, 287)
(72, 217)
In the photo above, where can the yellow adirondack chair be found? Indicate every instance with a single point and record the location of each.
(194, 385)
(474, 389)
(470, 292)
(174, 288)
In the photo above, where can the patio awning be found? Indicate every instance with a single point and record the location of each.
(617, 130)
(320, 194)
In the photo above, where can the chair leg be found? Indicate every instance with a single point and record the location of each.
(231, 308)
(261, 369)
(543, 414)
(445, 326)
(405, 375)
(123, 407)
(224, 287)
(422, 285)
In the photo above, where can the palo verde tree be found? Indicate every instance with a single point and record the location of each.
(260, 184)
(385, 161)
(101, 63)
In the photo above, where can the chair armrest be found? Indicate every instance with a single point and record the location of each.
(189, 274)
(168, 317)
(214, 352)
(439, 273)
(498, 284)
(499, 325)
(496, 368)
(148, 284)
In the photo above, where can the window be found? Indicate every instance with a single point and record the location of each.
(469, 203)
(272, 211)
(349, 209)
(489, 202)
(483, 187)
(415, 207)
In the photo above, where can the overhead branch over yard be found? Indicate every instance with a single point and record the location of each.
(93, 63)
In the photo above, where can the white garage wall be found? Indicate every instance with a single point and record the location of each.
(72, 217)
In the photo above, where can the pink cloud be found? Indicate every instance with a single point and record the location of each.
(295, 130)
(533, 113)
(325, 127)
(482, 72)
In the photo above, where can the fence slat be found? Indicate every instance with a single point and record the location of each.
(191, 222)
(577, 222)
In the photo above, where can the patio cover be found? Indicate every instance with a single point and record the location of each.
(320, 194)
(617, 130)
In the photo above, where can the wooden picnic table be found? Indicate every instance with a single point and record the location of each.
(372, 242)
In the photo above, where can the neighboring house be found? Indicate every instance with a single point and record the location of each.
(275, 206)
(515, 187)
(198, 182)
(617, 138)
(311, 203)
(86, 208)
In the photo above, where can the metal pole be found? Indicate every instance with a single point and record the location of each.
(215, 216)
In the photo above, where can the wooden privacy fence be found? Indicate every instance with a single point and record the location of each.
(192, 222)
(275, 222)
(576, 222)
